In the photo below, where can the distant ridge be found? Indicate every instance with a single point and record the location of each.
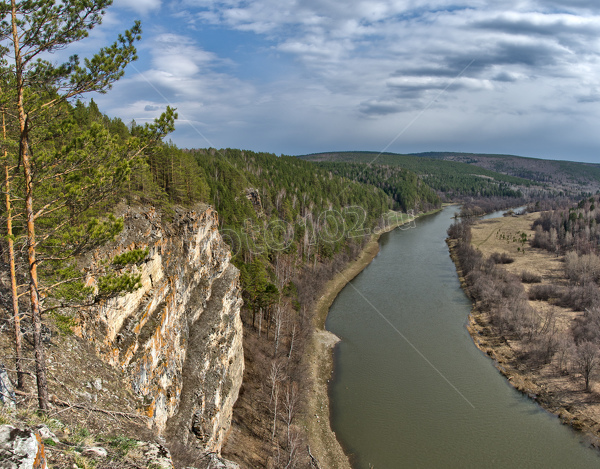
(561, 174)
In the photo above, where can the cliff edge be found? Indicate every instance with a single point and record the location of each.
(178, 338)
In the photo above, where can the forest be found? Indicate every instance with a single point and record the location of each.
(291, 226)
(568, 174)
(453, 180)
(292, 222)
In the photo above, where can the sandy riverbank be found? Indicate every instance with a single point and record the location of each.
(322, 439)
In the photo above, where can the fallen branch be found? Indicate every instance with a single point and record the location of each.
(313, 460)
(113, 413)
(59, 402)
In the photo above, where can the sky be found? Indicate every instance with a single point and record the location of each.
(304, 76)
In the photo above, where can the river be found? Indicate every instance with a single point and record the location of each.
(411, 390)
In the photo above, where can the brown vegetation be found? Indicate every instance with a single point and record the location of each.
(538, 316)
(266, 430)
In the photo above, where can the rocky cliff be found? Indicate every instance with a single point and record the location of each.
(179, 337)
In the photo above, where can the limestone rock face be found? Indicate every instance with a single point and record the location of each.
(7, 394)
(21, 449)
(179, 337)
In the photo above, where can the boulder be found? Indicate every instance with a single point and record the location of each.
(45, 433)
(219, 463)
(7, 393)
(21, 449)
(154, 455)
(95, 452)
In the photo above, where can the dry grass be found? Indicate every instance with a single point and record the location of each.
(72, 370)
(502, 235)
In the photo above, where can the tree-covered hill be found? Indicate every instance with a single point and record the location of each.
(406, 188)
(569, 175)
(259, 189)
(452, 179)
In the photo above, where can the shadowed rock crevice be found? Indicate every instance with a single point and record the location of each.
(213, 369)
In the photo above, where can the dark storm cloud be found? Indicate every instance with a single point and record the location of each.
(558, 27)
(374, 108)
(532, 57)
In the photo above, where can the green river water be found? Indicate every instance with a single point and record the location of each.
(411, 390)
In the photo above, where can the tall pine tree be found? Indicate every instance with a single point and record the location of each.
(30, 30)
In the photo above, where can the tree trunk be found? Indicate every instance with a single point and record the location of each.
(278, 330)
(268, 320)
(24, 154)
(275, 411)
(13, 275)
(292, 342)
(260, 314)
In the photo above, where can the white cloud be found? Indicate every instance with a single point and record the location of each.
(334, 73)
(139, 6)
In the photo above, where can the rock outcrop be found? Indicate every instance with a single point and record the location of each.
(21, 449)
(7, 394)
(178, 337)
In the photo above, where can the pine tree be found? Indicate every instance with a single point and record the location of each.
(29, 30)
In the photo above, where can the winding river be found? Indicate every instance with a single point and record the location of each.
(411, 390)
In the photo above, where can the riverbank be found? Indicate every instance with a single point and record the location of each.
(322, 439)
(552, 387)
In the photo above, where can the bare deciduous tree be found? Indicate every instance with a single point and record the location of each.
(585, 358)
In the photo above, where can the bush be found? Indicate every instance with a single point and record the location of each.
(460, 230)
(530, 277)
(63, 322)
(501, 258)
(587, 327)
(469, 258)
(582, 269)
(543, 292)
(581, 298)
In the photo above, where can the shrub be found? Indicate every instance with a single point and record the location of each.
(587, 327)
(460, 230)
(543, 292)
(530, 277)
(581, 298)
(582, 269)
(63, 322)
(501, 258)
(469, 258)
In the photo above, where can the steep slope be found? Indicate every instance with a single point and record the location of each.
(179, 337)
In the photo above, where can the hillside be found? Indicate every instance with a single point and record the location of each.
(455, 168)
(569, 175)
(452, 179)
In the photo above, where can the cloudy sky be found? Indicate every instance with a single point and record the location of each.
(300, 76)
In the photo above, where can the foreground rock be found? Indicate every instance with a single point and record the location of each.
(21, 449)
